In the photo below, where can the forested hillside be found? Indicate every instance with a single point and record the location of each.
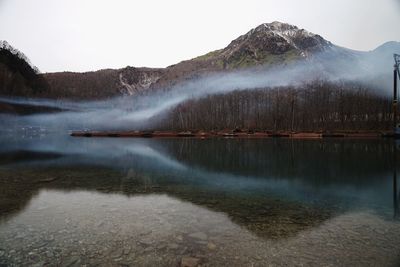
(18, 77)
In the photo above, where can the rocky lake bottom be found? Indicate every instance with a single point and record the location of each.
(97, 202)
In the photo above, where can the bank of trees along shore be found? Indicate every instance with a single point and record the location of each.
(317, 106)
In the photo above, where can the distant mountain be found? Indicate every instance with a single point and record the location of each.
(388, 46)
(384, 53)
(268, 45)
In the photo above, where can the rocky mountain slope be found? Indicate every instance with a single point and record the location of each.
(268, 44)
(101, 83)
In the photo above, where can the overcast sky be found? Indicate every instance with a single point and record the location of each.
(82, 35)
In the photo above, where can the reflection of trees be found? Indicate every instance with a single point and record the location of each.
(313, 161)
(396, 197)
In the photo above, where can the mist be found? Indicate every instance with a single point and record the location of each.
(141, 111)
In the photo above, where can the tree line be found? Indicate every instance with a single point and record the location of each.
(315, 106)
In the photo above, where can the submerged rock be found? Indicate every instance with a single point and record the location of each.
(199, 235)
(146, 242)
(189, 262)
(117, 253)
(127, 250)
(173, 246)
(211, 246)
(73, 261)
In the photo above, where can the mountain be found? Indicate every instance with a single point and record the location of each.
(101, 83)
(384, 53)
(388, 46)
(268, 45)
(17, 75)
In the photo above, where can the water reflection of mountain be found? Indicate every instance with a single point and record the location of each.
(265, 216)
(295, 184)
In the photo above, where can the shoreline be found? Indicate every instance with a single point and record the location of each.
(231, 134)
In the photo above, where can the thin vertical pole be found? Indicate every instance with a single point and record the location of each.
(395, 98)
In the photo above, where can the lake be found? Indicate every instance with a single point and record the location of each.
(68, 201)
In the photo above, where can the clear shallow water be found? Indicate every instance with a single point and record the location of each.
(163, 202)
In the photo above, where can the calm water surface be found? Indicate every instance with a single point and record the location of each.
(217, 202)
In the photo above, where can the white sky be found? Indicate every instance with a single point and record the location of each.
(82, 35)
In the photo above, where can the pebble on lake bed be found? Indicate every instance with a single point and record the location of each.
(189, 262)
(199, 235)
(211, 246)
